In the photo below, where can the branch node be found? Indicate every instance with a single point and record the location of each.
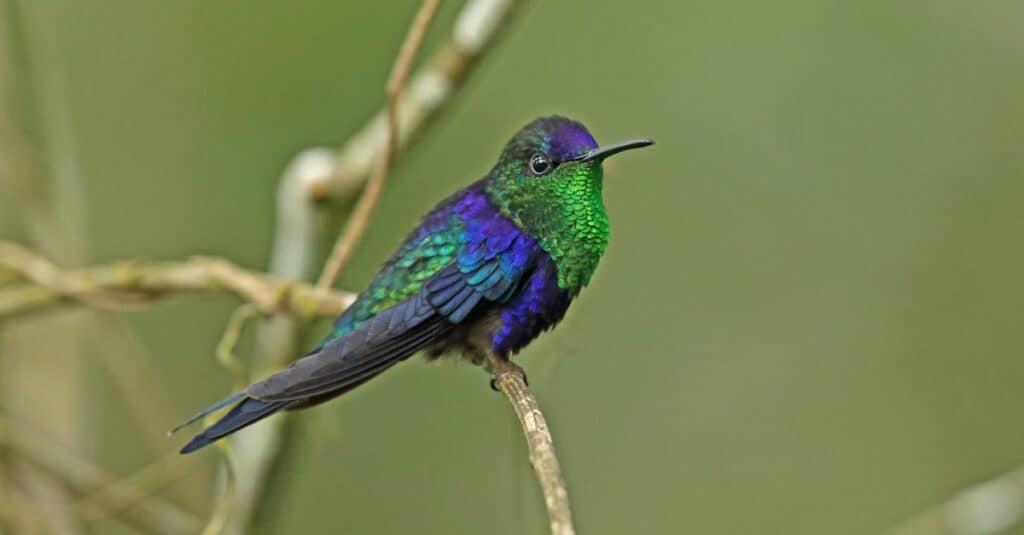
(312, 170)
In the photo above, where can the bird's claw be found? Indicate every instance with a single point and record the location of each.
(504, 369)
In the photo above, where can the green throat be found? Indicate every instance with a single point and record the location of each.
(564, 212)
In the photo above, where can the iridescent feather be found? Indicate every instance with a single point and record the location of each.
(484, 273)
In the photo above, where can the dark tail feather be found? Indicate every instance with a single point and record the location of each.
(212, 408)
(248, 412)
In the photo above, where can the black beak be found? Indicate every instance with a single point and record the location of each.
(601, 153)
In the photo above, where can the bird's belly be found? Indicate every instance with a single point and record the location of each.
(471, 340)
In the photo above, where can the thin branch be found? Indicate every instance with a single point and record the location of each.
(477, 27)
(153, 514)
(226, 347)
(139, 385)
(298, 234)
(987, 508)
(16, 513)
(320, 174)
(301, 226)
(222, 511)
(229, 360)
(541, 449)
(359, 219)
(40, 178)
(113, 498)
(316, 174)
(124, 284)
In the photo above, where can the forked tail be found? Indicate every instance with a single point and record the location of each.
(245, 413)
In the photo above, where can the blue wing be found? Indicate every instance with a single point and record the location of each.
(486, 271)
(492, 260)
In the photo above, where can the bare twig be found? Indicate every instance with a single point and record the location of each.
(134, 283)
(40, 181)
(226, 347)
(299, 231)
(114, 497)
(222, 511)
(294, 248)
(542, 450)
(987, 508)
(142, 390)
(153, 513)
(315, 175)
(320, 174)
(229, 360)
(477, 27)
(358, 220)
(15, 511)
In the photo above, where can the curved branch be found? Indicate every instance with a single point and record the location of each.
(126, 284)
(989, 507)
(153, 514)
(319, 174)
(359, 220)
(477, 27)
(541, 448)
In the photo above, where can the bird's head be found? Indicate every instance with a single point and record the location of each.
(554, 152)
(549, 181)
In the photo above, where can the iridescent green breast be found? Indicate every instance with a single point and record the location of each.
(564, 213)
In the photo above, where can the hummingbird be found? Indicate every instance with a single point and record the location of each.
(483, 274)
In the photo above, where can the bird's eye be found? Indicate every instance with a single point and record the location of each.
(540, 164)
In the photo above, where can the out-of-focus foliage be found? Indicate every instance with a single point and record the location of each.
(808, 320)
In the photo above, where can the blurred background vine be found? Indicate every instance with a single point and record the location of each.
(809, 311)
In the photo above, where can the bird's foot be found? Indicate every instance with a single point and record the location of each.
(501, 368)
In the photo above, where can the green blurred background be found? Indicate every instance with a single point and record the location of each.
(808, 319)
